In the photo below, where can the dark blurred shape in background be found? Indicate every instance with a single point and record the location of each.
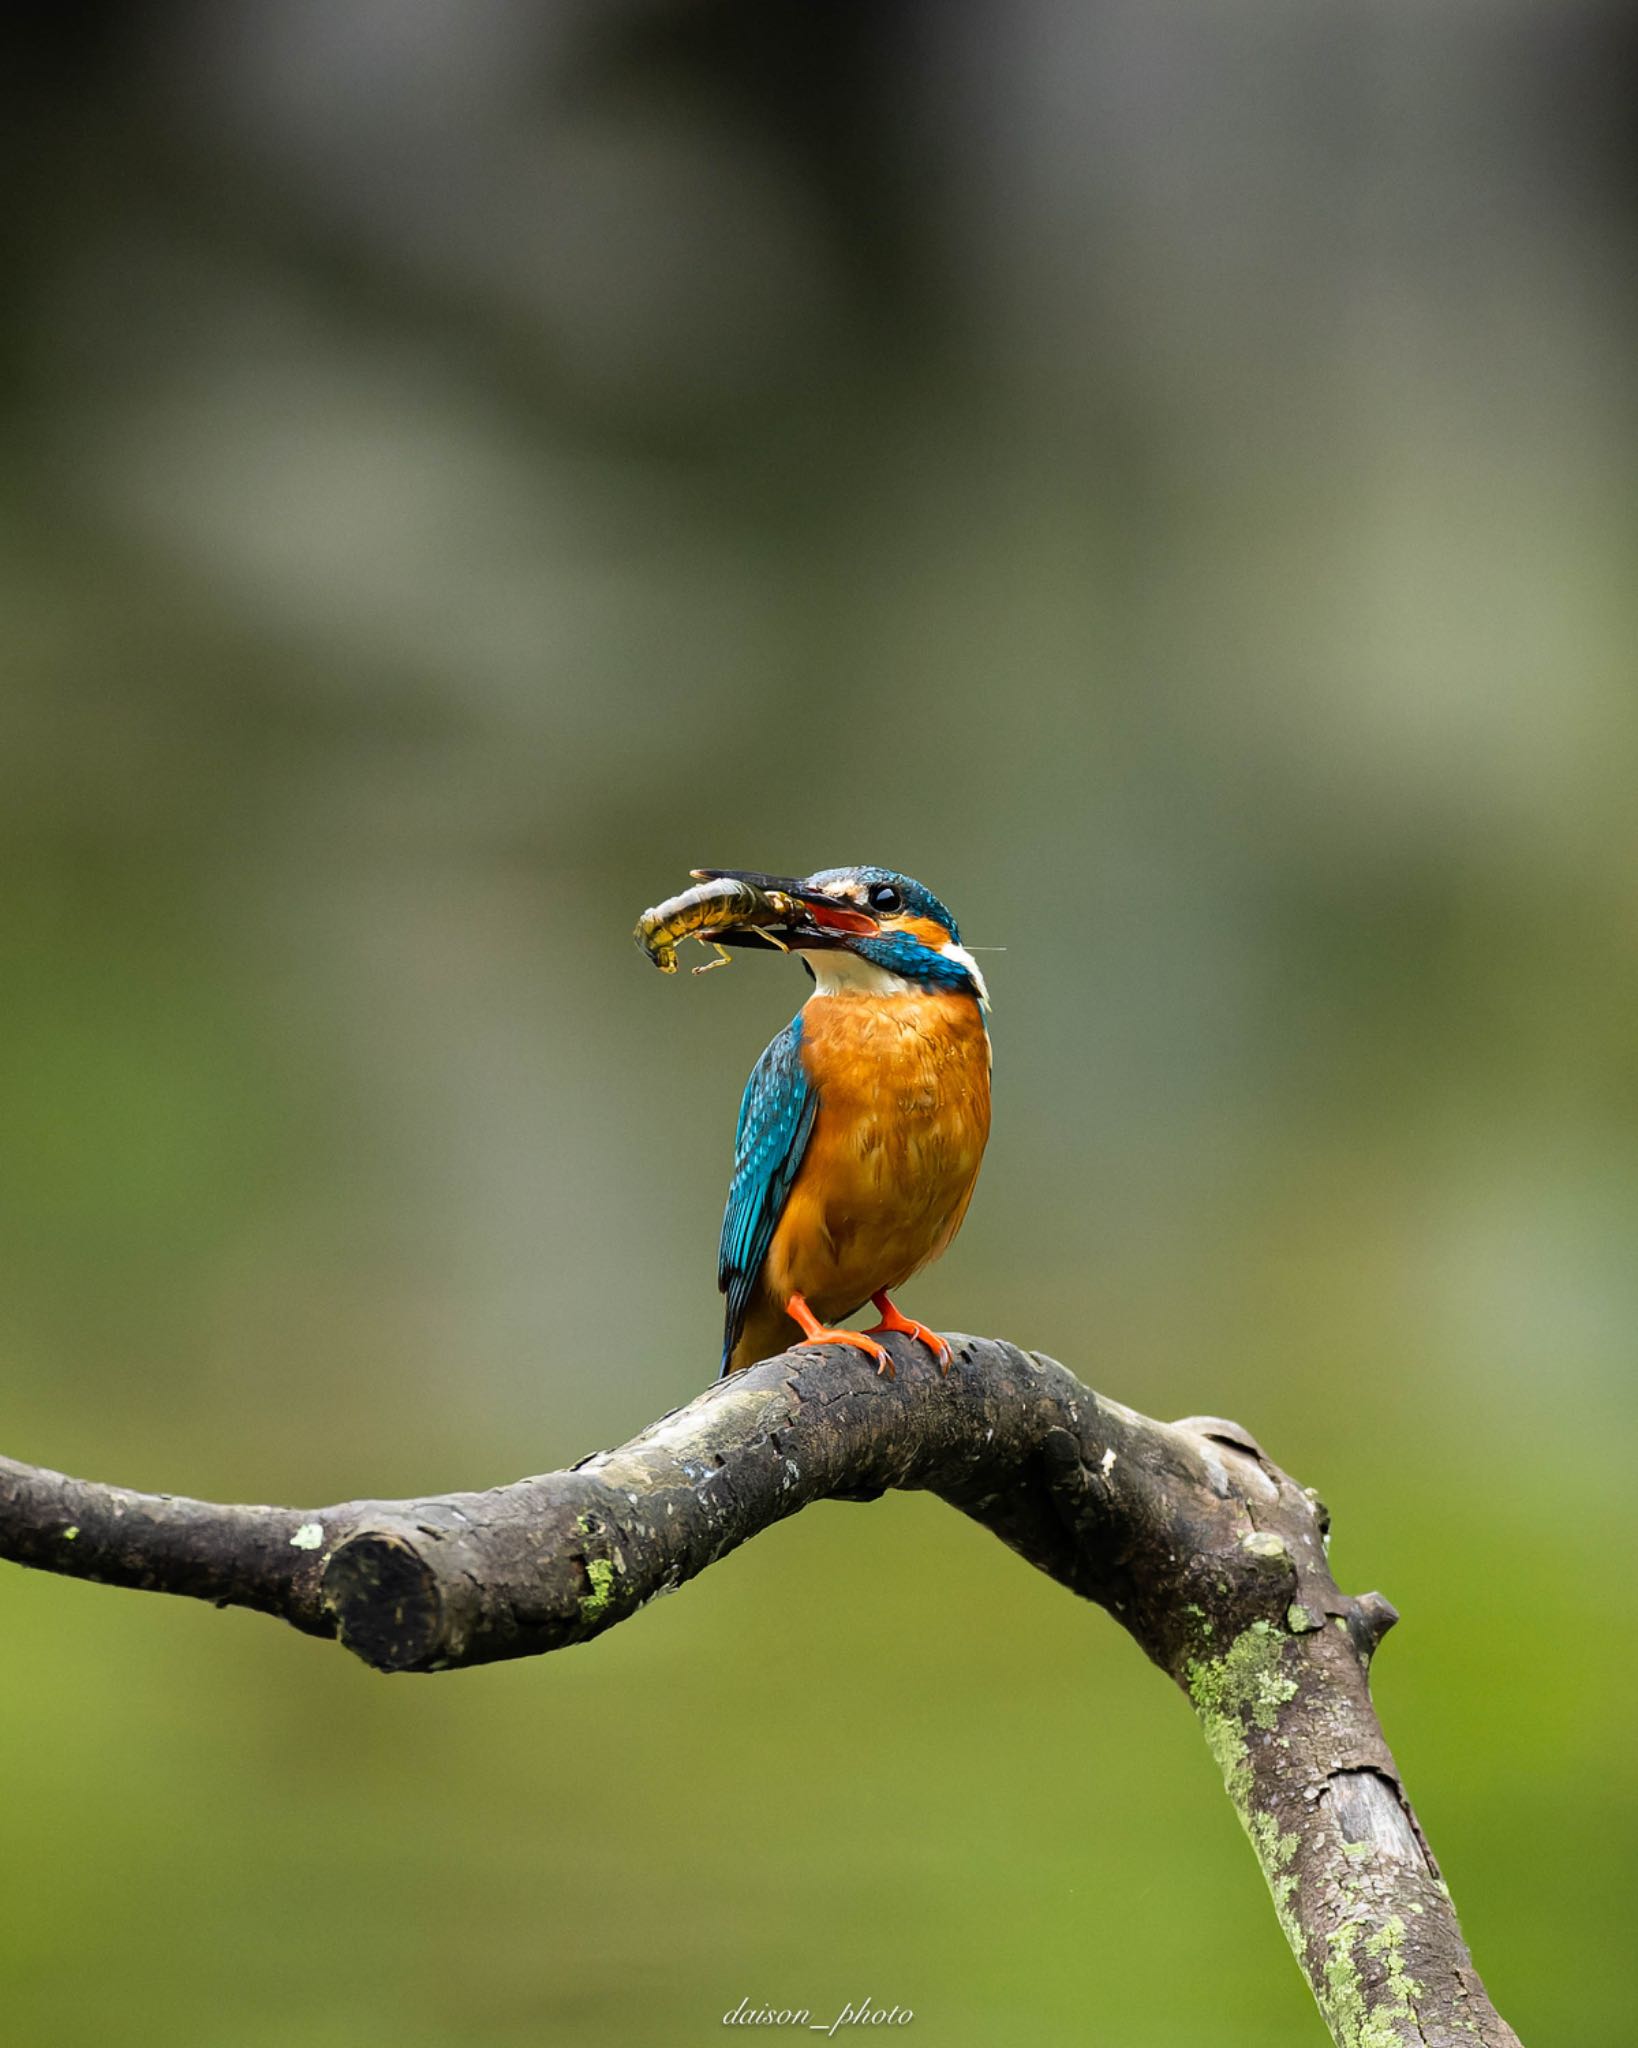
(1161, 475)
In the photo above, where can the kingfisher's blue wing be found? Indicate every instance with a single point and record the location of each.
(776, 1116)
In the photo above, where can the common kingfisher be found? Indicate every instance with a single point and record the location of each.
(862, 1125)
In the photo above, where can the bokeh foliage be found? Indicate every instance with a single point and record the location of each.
(1155, 473)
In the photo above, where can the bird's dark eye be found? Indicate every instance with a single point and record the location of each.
(884, 897)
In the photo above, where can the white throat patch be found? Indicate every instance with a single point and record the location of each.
(845, 973)
(848, 974)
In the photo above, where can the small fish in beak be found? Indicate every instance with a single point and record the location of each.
(817, 920)
(743, 909)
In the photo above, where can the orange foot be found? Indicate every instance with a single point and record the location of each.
(892, 1320)
(814, 1332)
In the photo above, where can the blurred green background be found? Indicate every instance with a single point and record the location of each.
(1162, 477)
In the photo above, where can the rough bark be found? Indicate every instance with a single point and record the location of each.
(1201, 1548)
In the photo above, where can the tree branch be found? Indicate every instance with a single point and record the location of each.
(1204, 1551)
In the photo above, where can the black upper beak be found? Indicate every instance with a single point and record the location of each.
(789, 885)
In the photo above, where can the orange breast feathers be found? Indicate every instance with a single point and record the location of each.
(904, 1113)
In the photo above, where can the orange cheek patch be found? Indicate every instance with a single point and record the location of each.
(927, 929)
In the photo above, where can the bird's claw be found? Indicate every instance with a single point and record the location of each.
(895, 1323)
(857, 1341)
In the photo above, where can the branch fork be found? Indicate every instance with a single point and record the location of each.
(1205, 1552)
